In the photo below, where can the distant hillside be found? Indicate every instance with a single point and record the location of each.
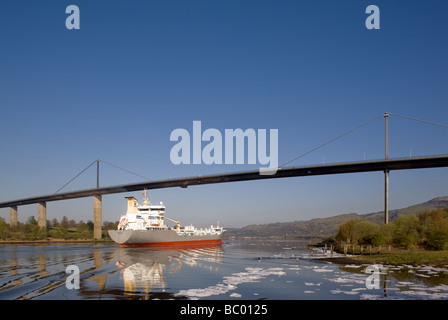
(325, 227)
(378, 217)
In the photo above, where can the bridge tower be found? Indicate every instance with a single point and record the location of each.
(386, 173)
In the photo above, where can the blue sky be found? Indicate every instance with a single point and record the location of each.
(136, 70)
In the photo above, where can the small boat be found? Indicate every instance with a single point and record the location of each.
(144, 226)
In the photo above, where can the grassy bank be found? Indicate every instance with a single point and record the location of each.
(64, 231)
(55, 241)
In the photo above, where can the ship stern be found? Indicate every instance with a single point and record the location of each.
(120, 236)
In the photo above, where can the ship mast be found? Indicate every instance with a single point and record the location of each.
(145, 199)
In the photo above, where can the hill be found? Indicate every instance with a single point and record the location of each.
(378, 217)
(325, 227)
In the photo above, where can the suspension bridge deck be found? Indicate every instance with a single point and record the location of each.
(327, 169)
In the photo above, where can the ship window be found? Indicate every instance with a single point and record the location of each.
(143, 209)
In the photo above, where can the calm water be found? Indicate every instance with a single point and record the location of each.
(249, 270)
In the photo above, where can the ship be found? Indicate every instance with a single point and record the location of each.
(144, 226)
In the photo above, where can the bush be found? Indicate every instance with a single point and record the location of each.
(58, 233)
(434, 229)
(357, 232)
(363, 231)
(329, 241)
(345, 232)
(429, 229)
(387, 231)
(375, 239)
(4, 230)
(86, 234)
(83, 227)
(405, 231)
(36, 233)
(437, 240)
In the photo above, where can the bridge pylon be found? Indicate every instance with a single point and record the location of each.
(386, 172)
(97, 216)
(42, 214)
(13, 216)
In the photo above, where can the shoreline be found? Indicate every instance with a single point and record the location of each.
(436, 258)
(55, 241)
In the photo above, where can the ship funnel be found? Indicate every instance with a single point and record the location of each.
(132, 205)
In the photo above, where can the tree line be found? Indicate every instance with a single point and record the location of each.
(64, 229)
(428, 230)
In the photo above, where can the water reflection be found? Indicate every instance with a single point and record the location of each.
(268, 270)
(144, 269)
(30, 272)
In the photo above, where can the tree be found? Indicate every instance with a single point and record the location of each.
(107, 225)
(438, 240)
(64, 222)
(82, 226)
(375, 239)
(3, 228)
(72, 224)
(434, 229)
(32, 221)
(387, 230)
(360, 231)
(363, 231)
(54, 223)
(345, 231)
(84, 231)
(405, 232)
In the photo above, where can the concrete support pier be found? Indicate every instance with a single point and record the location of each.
(97, 216)
(13, 217)
(42, 214)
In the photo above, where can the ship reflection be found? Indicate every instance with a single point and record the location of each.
(143, 269)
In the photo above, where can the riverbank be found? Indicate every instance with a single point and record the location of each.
(415, 257)
(56, 241)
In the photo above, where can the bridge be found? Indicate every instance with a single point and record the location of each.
(385, 165)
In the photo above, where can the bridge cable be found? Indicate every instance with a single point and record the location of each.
(113, 165)
(136, 174)
(334, 139)
(75, 177)
(424, 121)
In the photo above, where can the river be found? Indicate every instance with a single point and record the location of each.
(238, 270)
